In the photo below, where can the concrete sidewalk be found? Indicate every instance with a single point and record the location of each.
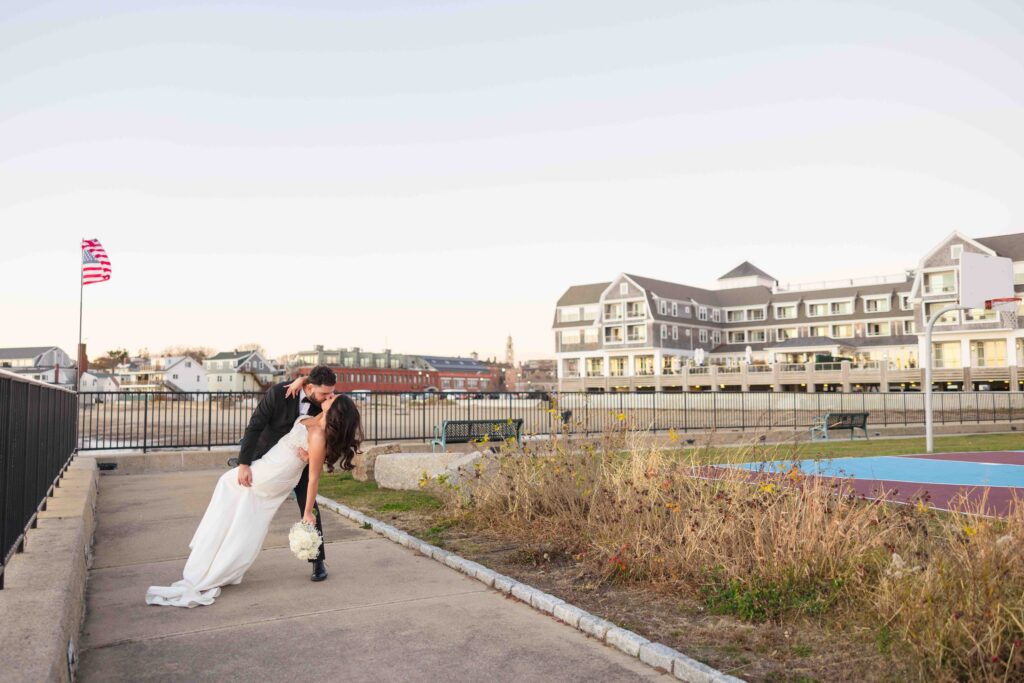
(385, 613)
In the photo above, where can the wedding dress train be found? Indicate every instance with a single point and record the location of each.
(231, 534)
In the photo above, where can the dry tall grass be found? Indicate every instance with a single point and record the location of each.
(944, 591)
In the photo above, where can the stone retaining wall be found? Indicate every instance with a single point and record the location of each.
(43, 602)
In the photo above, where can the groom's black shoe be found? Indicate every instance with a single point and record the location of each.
(319, 571)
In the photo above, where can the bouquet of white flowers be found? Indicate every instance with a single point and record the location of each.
(305, 541)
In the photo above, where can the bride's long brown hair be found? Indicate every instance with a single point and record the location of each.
(344, 433)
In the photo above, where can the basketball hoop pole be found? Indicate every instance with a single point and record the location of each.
(930, 357)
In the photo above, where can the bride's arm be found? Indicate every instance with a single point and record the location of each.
(317, 455)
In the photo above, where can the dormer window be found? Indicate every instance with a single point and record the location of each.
(623, 288)
(663, 307)
(675, 310)
(955, 251)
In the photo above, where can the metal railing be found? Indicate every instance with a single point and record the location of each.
(203, 420)
(37, 441)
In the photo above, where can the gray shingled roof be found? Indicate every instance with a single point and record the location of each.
(449, 364)
(24, 351)
(578, 295)
(229, 355)
(746, 269)
(1011, 246)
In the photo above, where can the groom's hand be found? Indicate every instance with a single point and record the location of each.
(304, 455)
(244, 475)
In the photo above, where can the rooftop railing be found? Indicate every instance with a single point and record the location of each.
(37, 441)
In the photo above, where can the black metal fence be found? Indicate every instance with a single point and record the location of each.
(37, 439)
(144, 421)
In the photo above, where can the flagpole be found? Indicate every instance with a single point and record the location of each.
(81, 291)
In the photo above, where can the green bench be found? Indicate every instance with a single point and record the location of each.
(467, 431)
(823, 424)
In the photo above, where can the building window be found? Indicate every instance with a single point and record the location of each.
(877, 330)
(590, 335)
(817, 310)
(955, 250)
(989, 353)
(188, 364)
(174, 377)
(623, 288)
(784, 333)
(716, 337)
(738, 337)
(702, 313)
(643, 365)
(947, 318)
(980, 315)
(675, 310)
(942, 282)
(613, 335)
(716, 315)
(757, 336)
(571, 367)
(613, 311)
(617, 366)
(908, 327)
(819, 330)
(703, 336)
(755, 314)
(219, 379)
(591, 312)
(568, 315)
(946, 354)
(664, 331)
(876, 305)
(784, 312)
(675, 332)
(636, 333)
(595, 367)
(663, 307)
(841, 308)
(635, 309)
(687, 331)
(905, 302)
(686, 309)
(735, 316)
(570, 336)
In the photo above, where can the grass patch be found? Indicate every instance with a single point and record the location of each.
(364, 495)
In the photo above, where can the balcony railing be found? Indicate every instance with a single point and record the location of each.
(941, 288)
(698, 371)
(792, 367)
(759, 368)
(828, 367)
(729, 369)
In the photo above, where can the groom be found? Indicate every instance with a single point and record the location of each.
(273, 418)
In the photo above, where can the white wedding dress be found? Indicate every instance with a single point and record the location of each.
(231, 534)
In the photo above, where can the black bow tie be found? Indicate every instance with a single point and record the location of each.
(304, 400)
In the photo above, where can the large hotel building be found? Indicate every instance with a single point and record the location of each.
(749, 334)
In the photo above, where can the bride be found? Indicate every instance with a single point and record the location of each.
(231, 534)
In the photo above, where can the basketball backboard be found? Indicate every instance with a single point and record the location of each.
(983, 278)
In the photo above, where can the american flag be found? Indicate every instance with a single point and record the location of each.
(95, 263)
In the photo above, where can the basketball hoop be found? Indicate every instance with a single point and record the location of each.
(1006, 304)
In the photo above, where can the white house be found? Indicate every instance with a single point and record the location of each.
(165, 373)
(44, 363)
(95, 381)
(239, 371)
(35, 357)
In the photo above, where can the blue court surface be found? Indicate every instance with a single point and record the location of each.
(919, 470)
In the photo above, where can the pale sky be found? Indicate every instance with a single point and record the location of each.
(433, 175)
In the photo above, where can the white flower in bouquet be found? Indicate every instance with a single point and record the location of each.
(304, 541)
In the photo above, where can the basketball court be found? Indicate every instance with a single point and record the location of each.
(940, 480)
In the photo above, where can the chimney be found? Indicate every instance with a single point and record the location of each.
(83, 360)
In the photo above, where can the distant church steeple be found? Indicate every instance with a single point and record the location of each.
(510, 356)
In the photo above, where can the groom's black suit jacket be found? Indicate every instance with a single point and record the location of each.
(274, 417)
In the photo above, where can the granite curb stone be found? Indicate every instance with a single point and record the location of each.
(655, 655)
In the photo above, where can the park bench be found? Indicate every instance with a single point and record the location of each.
(466, 431)
(823, 424)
